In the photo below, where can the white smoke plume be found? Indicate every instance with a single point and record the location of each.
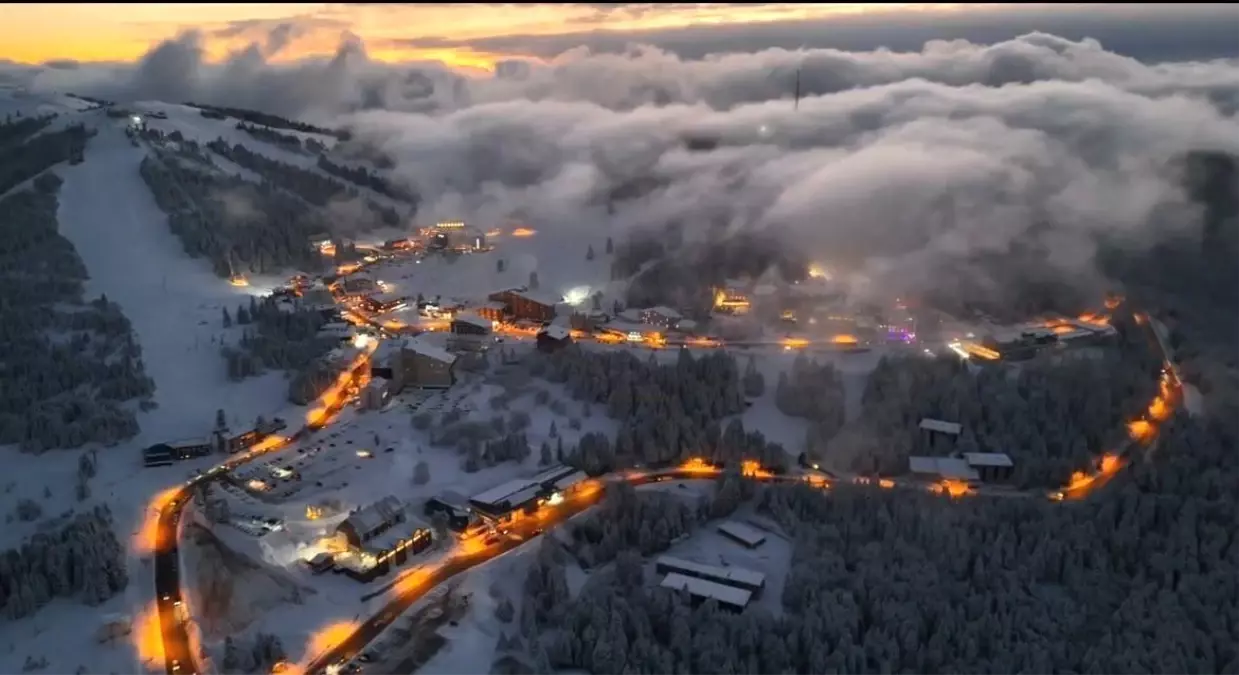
(899, 164)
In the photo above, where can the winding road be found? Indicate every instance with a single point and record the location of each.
(413, 585)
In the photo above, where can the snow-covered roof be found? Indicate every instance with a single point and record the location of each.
(503, 491)
(988, 459)
(428, 350)
(736, 576)
(727, 595)
(556, 332)
(663, 311)
(189, 442)
(953, 467)
(744, 533)
(374, 516)
(552, 473)
(945, 467)
(571, 480)
(472, 319)
(540, 297)
(387, 296)
(940, 426)
(633, 315)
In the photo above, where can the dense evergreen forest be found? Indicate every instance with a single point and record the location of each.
(267, 120)
(237, 225)
(1139, 577)
(69, 365)
(314, 188)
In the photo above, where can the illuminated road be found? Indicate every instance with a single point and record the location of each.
(179, 658)
(414, 584)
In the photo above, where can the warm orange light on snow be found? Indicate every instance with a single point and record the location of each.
(843, 339)
(329, 636)
(148, 535)
(795, 343)
(954, 488)
(697, 465)
(148, 637)
(1140, 430)
(523, 232)
(752, 469)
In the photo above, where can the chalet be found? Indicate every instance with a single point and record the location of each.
(525, 304)
(471, 323)
(379, 537)
(358, 285)
(553, 338)
(386, 301)
(491, 310)
(425, 365)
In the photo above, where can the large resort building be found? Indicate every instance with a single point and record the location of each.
(507, 500)
(378, 538)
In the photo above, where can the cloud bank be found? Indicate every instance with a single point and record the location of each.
(897, 164)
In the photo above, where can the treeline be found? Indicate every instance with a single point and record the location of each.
(1138, 579)
(255, 654)
(22, 161)
(314, 188)
(666, 412)
(17, 129)
(1053, 417)
(68, 365)
(274, 337)
(83, 560)
(286, 141)
(268, 120)
(363, 177)
(815, 392)
(664, 271)
(238, 226)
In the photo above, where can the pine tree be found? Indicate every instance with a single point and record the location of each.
(227, 319)
(221, 420)
(610, 246)
(589, 252)
(533, 280)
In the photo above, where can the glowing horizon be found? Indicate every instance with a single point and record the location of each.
(117, 33)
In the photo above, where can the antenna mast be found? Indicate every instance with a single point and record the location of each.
(796, 103)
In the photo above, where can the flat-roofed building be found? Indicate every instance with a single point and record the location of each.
(944, 468)
(737, 577)
(990, 466)
(702, 590)
(749, 537)
(941, 427)
(527, 493)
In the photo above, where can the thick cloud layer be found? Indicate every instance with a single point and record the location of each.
(910, 162)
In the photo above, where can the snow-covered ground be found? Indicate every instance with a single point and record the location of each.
(190, 122)
(559, 263)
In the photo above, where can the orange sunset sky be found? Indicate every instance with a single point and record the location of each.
(33, 33)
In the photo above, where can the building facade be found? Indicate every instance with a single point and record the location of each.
(425, 365)
(525, 305)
